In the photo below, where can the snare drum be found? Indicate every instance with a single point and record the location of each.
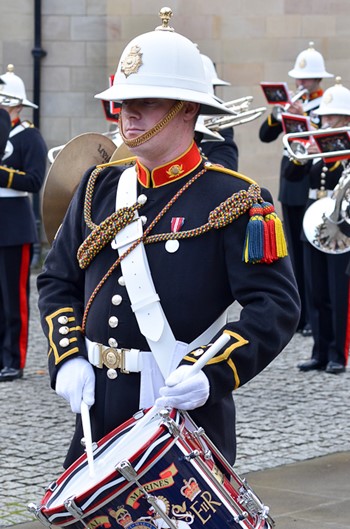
(170, 476)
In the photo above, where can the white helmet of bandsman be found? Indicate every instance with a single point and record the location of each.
(13, 91)
(309, 64)
(335, 100)
(163, 64)
(211, 73)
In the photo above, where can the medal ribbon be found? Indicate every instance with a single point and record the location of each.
(176, 224)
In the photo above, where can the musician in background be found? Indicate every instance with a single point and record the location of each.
(326, 275)
(22, 172)
(5, 127)
(308, 72)
(224, 153)
(165, 302)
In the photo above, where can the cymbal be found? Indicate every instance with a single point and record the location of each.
(65, 174)
(121, 153)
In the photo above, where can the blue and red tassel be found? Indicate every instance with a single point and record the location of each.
(265, 241)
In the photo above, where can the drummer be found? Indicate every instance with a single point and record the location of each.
(120, 315)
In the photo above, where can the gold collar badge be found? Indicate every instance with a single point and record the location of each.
(132, 62)
(175, 170)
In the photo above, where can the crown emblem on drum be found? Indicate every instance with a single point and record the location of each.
(132, 62)
(191, 489)
(121, 515)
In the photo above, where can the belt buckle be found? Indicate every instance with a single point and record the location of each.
(321, 193)
(113, 358)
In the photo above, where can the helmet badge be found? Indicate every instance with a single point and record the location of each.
(302, 63)
(132, 62)
(328, 98)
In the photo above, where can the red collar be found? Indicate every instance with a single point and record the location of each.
(15, 122)
(317, 93)
(172, 171)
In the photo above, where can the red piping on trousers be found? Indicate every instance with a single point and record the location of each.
(347, 335)
(23, 304)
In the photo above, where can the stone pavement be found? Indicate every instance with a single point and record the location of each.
(286, 420)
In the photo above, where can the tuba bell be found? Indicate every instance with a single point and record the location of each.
(326, 222)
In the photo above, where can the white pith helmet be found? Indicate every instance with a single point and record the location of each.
(309, 64)
(208, 135)
(13, 92)
(211, 73)
(335, 100)
(162, 64)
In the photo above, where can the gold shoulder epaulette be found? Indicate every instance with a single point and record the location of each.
(270, 122)
(28, 124)
(222, 169)
(124, 161)
(335, 166)
(11, 170)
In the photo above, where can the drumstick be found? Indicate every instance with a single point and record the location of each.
(195, 368)
(85, 419)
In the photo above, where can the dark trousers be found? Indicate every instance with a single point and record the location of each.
(14, 304)
(329, 304)
(293, 224)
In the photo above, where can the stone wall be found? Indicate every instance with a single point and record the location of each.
(250, 41)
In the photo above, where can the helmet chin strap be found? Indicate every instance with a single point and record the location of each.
(169, 116)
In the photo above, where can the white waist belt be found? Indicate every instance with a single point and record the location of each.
(12, 193)
(127, 360)
(315, 194)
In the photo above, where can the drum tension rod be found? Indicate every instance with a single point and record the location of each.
(34, 509)
(127, 470)
(153, 501)
(169, 423)
(74, 510)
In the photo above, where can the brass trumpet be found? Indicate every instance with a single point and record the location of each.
(244, 114)
(278, 110)
(336, 142)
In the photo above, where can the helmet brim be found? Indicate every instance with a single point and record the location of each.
(314, 75)
(209, 104)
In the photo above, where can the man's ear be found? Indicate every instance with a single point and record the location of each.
(191, 110)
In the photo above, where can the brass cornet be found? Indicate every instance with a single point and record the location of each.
(337, 144)
(278, 110)
(244, 114)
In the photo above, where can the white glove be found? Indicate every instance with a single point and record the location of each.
(76, 382)
(182, 391)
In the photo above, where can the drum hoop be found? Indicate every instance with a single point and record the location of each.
(84, 499)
